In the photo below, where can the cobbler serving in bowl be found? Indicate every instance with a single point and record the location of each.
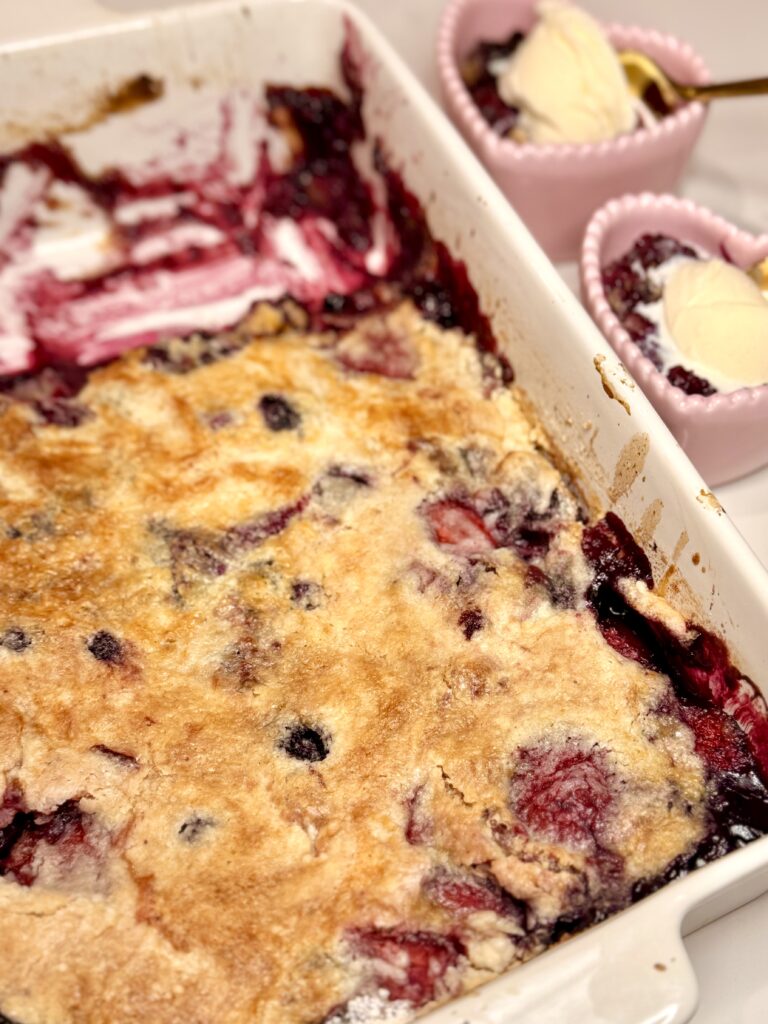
(540, 94)
(325, 698)
(676, 302)
(669, 283)
(561, 82)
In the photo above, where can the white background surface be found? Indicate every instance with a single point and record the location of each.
(730, 174)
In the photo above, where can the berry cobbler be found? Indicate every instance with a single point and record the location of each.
(701, 321)
(323, 697)
(562, 82)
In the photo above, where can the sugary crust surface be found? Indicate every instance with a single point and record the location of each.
(221, 879)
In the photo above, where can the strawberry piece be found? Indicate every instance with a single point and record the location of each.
(623, 639)
(457, 526)
(701, 669)
(411, 966)
(701, 666)
(463, 893)
(379, 351)
(418, 824)
(720, 741)
(562, 793)
(614, 554)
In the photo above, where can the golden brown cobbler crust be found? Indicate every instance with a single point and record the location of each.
(248, 920)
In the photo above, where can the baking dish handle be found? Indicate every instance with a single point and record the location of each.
(643, 975)
(633, 969)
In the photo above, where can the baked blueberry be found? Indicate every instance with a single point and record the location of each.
(278, 413)
(193, 829)
(306, 594)
(305, 743)
(105, 647)
(15, 639)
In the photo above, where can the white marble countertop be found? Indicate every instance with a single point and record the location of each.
(730, 174)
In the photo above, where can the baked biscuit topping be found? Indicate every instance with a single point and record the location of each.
(320, 698)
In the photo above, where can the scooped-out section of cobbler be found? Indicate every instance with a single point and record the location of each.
(322, 699)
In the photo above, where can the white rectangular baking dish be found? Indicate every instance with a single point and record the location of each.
(633, 969)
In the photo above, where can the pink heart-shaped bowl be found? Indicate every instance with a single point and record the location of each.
(556, 188)
(725, 434)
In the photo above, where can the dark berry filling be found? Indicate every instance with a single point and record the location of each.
(278, 413)
(732, 744)
(118, 756)
(323, 181)
(306, 743)
(719, 740)
(471, 621)
(627, 285)
(423, 269)
(105, 647)
(306, 594)
(356, 476)
(613, 554)
(256, 531)
(207, 553)
(689, 382)
(477, 72)
(51, 393)
(24, 833)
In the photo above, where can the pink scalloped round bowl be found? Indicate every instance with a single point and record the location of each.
(725, 434)
(556, 188)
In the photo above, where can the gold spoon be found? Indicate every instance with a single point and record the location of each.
(759, 274)
(643, 72)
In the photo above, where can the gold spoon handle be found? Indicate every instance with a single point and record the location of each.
(704, 93)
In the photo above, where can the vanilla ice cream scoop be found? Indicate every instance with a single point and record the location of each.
(718, 318)
(566, 80)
